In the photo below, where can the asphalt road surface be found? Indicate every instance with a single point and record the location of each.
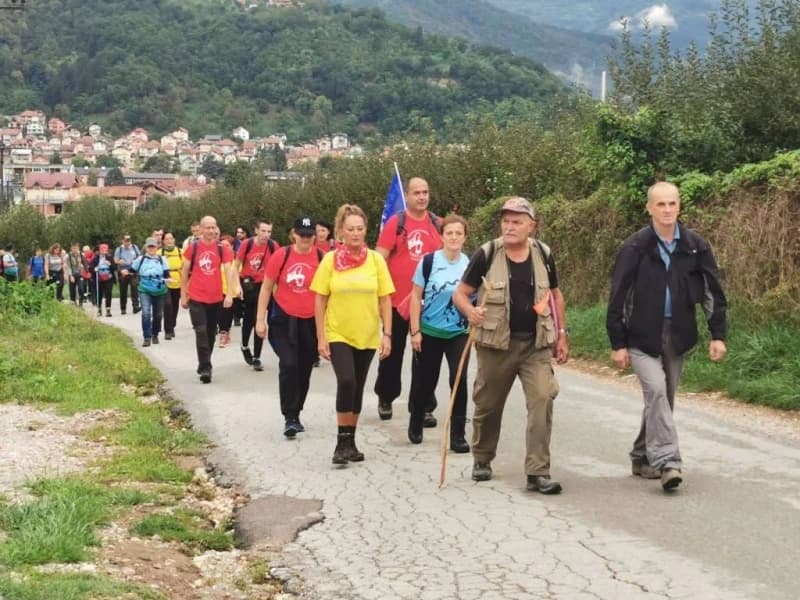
(732, 529)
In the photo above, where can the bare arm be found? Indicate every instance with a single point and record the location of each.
(415, 310)
(562, 346)
(461, 298)
(320, 307)
(261, 310)
(185, 283)
(385, 307)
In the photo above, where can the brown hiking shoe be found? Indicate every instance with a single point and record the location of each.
(644, 470)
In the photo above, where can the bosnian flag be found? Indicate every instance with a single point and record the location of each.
(395, 198)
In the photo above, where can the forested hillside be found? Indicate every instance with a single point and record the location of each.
(576, 55)
(208, 65)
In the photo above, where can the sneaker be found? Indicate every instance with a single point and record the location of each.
(155, 339)
(670, 479)
(169, 336)
(205, 375)
(299, 426)
(290, 429)
(122, 312)
(224, 339)
(146, 342)
(644, 470)
(543, 485)
(257, 366)
(108, 312)
(481, 471)
(429, 421)
(248, 356)
(384, 410)
(137, 309)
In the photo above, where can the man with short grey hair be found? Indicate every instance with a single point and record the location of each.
(661, 273)
(515, 334)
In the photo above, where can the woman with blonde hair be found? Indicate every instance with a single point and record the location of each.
(352, 280)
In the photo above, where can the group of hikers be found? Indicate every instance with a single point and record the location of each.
(328, 295)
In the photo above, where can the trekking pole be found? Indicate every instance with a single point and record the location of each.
(97, 288)
(488, 285)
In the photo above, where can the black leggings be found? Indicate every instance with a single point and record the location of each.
(426, 374)
(351, 367)
(172, 304)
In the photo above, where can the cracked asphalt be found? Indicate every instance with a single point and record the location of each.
(730, 531)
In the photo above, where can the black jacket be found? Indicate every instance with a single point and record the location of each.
(636, 306)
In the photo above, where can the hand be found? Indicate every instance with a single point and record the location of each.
(386, 347)
(621, 358)
(717, 350)
(72, 279)
(124, 272)
(416, 342)
(476, 315)
(228, 301)
(184, 301)
(261, 329)
(562, 350)
(324, 349)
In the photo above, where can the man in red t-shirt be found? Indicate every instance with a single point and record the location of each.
(403, 242)
(205, 262)
(251, 259)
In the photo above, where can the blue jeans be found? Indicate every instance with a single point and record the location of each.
(152, 309)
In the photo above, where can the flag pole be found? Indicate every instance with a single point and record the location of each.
(402, 191)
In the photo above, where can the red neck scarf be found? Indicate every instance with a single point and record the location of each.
(343, 260)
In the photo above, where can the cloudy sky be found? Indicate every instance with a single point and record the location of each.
(657, 15)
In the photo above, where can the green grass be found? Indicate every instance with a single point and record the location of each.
(762, 365)
(59, 525)
(187, 527)
(71, 587)
(58, 357)
(147, 465)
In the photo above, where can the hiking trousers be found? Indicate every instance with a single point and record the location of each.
(659, 376)
(295, 343)
(249, 308)
(204, 321)
(497, 370)
(128, 283)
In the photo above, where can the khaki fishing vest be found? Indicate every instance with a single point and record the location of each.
(495, 332)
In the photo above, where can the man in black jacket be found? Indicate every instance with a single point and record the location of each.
(661, 273)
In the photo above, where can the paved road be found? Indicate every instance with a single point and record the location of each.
(731, 531)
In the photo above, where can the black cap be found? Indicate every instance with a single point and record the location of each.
(305, 225)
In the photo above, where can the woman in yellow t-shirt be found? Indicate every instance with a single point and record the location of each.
(353, 313)
(173, 301)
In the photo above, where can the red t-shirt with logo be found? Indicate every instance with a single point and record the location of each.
(205, 279)
(251, 263)
(293, 282)
(419, 237)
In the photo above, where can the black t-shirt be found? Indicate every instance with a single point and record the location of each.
(521, 277)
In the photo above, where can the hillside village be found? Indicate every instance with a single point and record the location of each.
(48, 162)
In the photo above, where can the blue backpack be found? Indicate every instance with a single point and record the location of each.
(151, 274)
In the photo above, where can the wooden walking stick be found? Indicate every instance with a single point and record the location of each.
(459, 372)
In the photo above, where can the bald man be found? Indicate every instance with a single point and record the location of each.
(661, 273)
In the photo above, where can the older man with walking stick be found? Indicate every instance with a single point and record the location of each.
(514, 335)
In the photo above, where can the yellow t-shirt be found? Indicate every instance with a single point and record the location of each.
(353, 316)
(175, 263)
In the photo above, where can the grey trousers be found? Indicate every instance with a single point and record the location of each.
(657, 442)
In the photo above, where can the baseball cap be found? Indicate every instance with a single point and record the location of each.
(519, 205)
(150, 242)
(305, 225)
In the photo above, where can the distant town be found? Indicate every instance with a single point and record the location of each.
(48, 162)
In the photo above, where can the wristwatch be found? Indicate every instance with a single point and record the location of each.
(564, 332)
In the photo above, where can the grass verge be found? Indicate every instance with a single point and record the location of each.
(59, 358)
(762, 365)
